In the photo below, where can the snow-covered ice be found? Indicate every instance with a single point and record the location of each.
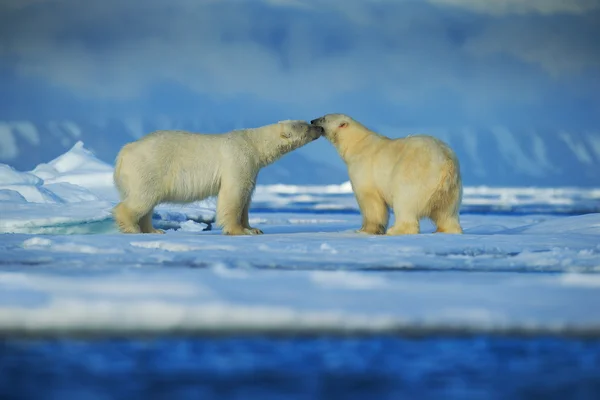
(532, 257)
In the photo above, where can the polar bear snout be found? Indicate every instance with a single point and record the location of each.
(316, 131)
(309, 132)
(328, 124)
(299, 133)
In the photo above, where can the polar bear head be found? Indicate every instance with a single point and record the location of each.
(334, 125)
(296, 133)
(346, 134)
(273, 141)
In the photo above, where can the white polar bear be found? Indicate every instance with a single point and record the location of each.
(417, 176)
(182, 167)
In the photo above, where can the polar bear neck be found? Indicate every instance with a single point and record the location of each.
(268, 144)
(355, 141)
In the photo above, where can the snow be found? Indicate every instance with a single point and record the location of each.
(28, 131)
(9, 148)
(8, 143)
(593, 139)
(514, 153)
(11, 196)
(135, 127)
(78, 166)
(470, 145)
(578, 148)
(9, 176)
(528, 263)
(57, 130)
(540, 153)
(72, 128)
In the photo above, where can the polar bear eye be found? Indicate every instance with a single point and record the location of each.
(343, 125)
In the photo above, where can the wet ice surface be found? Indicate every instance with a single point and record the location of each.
(302, 368)
(309, 272)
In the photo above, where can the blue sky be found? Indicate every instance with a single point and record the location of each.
(388, 63)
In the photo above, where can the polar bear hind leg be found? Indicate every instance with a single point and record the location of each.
(447, 224)
(444, 205)
(128, 216)
(444, 214)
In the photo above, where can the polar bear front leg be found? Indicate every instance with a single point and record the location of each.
(245, 218)
(374, 212)
(146, 224)
(231, 202)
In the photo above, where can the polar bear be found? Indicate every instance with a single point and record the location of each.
(182, 167)
(417, 176)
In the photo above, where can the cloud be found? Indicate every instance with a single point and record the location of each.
(563, 47)
(19, 4)
(111, 50)
(413, 56)
(505, 7)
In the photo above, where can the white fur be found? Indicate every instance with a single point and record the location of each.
(182, 167)
(417, 176)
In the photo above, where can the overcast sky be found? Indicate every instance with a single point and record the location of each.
(388, 63)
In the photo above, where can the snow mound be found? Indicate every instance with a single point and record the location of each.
(10, 176)
(17, 186)
(63, 180)
(11, 196)
(77, 159)
(77, 166)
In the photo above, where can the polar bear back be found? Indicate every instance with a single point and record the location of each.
(418, 158)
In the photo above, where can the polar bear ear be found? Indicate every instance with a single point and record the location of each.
(343, 124)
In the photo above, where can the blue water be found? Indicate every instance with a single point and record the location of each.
(301, 368)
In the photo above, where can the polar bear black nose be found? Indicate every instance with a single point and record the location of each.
(315, 121)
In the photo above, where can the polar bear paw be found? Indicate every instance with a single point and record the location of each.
(404, 228)
(242, 231)
(372, 229)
